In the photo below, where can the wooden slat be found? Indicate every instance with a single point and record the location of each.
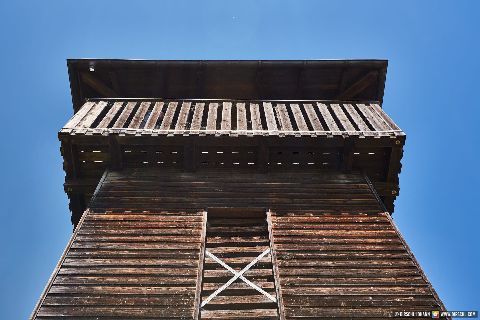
(212, 118)
(390, 123)
(182, 117)
(226, 123)
(312, 116)
(154, 115)
(241, 118)
(77, 117)
(282, 114)
(332, 126)
(110, 115)
(342, 117)
(255, 116)
(372, 118)
(299, 120)
(124, 115)
(167, 120)
(270, 117)
(139, 115)
(92, 115)
(197, 117)
(357, 118)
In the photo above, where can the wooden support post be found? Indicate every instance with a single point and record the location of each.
(263, 157)
(189, 156)
(347, 155)
(69, 153)
(77, 207)
(116, 161)
(276, 276)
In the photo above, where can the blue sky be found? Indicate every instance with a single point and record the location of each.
(431, 91)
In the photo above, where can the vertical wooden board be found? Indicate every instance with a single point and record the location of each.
(226, 116)
(77, 117)
(357, 118)
(139, 115)
(297, 114)
(110, 115)
(276, 275)
(197, 118)
(167, 120)
(182, 117)
(241, 118)
(332, 126)
(212, 118)
(201, 259)
(282, 115)
(92, 115)
(156, 112)
(270, 117)
(385, 116)
(313, 118)
(342, 117)
(372, 118)
(255, 117)
(124, 115)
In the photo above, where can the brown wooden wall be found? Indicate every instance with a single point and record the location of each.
(137, 254)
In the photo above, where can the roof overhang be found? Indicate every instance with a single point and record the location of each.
(348, 80)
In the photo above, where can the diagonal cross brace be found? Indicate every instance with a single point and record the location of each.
(238, 275)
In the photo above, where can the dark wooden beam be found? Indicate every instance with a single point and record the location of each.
(115, 83)
(97, 85)
(357, 87)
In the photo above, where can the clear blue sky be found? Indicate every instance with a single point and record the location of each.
(431, 91)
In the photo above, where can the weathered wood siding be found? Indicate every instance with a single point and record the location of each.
(316, 191)
(135, 254)
(128, 265)
(346, 266)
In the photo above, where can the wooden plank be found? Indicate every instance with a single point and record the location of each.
(255, 117)
(241, 118)
(110, 115)
(371, 117)
(282, 114)
(139, 115)
(150, 312)
(270, 118)
(92, 115)
(342, 117)
(357, 118)
(313, 118)
(212, 118)
(77, 117)
(198, 290)
(154, 115)
(124, 115)
(276, 274)
(299, 120)
(167, 120)
(197, 118)
(384, 116)
(327, 117)
(182, 117)
(226, 123)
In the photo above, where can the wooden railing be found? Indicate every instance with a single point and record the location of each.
(228, 117)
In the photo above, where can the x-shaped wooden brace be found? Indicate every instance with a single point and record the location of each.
(237, 275)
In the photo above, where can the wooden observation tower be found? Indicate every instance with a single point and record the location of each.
(232, 190)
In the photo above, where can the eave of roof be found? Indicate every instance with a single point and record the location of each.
(353, 80)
